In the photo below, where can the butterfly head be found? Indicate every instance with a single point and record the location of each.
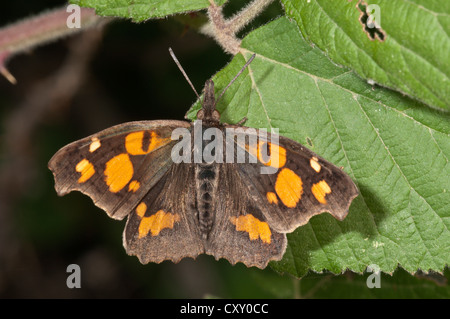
(208, 112)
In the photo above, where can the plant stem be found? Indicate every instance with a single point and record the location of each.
(224, 30)
(219, 29)
(43, 28)
(247, 14)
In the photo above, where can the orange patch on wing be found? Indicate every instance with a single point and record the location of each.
(141, 209)
(315, 164)
(134, 143)
(253, 226)
(134, 186)
(320, 190)
(272, 197)
(95, 144)
(289, 187)
(277, 157)
(86, 169)
(157, 222)
(118, 172)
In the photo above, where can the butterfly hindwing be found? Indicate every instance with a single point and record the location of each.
(240, 232)
(116, 167)
(162, 226)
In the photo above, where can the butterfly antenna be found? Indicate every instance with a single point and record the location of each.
(234, 79)
(182, 71)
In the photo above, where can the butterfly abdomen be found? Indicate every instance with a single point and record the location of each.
(206, 178)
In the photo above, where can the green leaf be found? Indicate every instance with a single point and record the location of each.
(399, 285)
(354, 286)
(141, 10)
(396, 150)
(414, 56)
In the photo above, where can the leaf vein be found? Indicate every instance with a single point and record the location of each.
(347, 160)
(250, 72)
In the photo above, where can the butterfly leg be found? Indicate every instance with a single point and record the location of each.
(242, 121)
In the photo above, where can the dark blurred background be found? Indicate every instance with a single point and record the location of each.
(67, 90)
(85, 83)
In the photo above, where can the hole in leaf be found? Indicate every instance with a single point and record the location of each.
(370, 20)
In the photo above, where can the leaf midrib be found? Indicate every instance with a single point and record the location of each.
(343, 88)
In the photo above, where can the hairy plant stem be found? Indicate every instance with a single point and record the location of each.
(224, 30)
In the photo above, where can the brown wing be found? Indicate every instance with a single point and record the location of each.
(163, 225)
(241, 232)
(297, 184)
(118, 166)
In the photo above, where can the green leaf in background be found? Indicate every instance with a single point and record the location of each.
(414, 56)
(396, 149)
(141, 10)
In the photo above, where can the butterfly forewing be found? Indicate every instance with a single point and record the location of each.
(299, 184)
(118, 166)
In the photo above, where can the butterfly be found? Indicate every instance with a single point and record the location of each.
(203, 187)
